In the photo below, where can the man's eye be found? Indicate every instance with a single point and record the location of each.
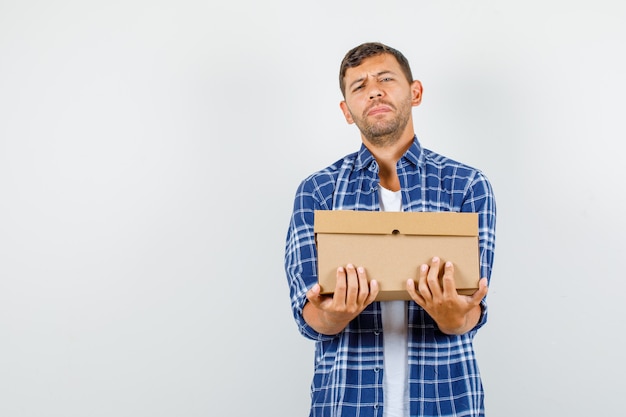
(387, 79)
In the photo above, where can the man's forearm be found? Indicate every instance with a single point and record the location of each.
(471, 320)
(320, 321)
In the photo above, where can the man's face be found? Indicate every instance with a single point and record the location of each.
(379, 98)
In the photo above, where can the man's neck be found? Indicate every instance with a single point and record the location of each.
(387, 157)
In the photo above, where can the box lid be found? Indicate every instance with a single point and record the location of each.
(443, 223)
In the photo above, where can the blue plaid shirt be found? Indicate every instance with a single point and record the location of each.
(348, 380)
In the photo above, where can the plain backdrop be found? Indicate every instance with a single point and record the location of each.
(150, 152)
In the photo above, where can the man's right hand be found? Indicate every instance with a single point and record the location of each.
(330, 314)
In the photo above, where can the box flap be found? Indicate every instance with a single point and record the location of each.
(442, 223)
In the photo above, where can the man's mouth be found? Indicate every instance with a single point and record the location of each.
(378, 108)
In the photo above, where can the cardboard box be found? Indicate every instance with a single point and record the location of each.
(391, 246)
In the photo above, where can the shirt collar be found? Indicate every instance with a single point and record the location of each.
(413, 155)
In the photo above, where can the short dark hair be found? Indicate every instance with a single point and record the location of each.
(356, 55)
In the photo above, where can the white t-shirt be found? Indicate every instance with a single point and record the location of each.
(395, 338)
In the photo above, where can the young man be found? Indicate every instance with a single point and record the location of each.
(392, 358)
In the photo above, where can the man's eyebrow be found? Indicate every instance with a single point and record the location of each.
(378, 74)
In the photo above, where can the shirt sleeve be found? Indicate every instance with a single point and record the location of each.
(300, 249)
(480, 199)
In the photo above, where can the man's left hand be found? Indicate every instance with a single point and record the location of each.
(454, 313)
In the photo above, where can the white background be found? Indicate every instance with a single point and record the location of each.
(150, 151)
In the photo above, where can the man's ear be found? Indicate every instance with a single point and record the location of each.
(416, 93)
(346, 112)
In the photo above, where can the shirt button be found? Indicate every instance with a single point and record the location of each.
(375, 406)
(376, 369)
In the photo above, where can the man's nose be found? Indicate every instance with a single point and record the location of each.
(375, 91)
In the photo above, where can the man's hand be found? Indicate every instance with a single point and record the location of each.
(330, 314)
(453, 313)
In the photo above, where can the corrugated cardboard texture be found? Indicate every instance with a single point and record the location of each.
(392, 245)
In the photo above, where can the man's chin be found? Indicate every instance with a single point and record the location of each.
(381, 130)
